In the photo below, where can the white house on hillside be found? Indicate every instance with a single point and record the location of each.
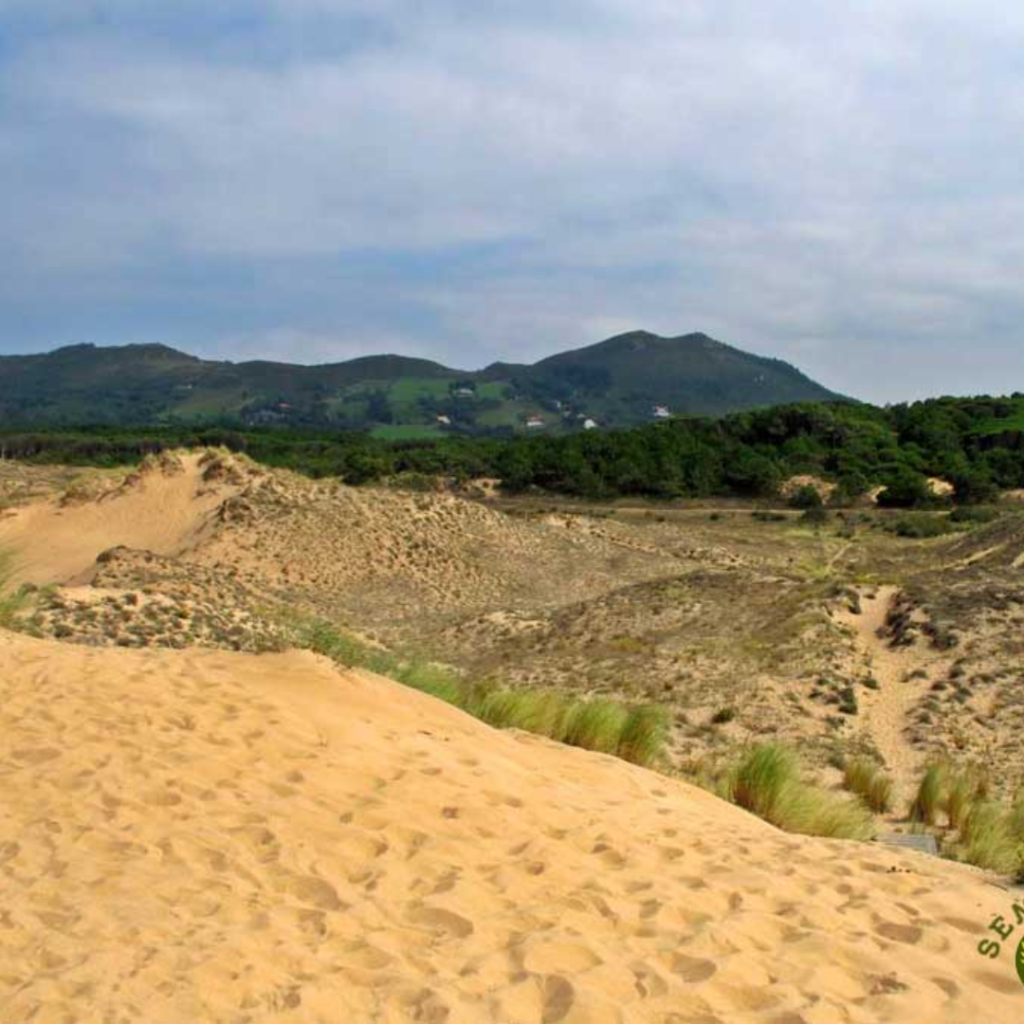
(660, 412)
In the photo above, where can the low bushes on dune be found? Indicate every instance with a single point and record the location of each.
(634, 733)
(768, 782)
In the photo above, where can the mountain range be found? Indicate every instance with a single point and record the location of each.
(623, 381)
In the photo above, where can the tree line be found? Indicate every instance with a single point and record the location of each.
(976, 444)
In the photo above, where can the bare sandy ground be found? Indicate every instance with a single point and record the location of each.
(162, 509)
(208, 836)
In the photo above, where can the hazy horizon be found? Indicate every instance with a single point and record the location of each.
(317, 180)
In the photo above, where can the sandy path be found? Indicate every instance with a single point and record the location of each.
(191, 836)
(886, 709)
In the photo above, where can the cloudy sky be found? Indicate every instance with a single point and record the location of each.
(840, 185)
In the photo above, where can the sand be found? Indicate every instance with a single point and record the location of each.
(209, 836)
(165, 508)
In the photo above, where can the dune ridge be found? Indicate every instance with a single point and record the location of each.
(205, 835)
(167, 506)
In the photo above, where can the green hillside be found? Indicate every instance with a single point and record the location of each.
(616, 383)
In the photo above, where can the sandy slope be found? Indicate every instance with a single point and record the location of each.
(191, 836)
(162, 509)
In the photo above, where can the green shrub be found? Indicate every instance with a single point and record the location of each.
(974, 486)
(723, 716)
(974, 515)
(919, 527)
(768, 517)
(806, 498)
(816, 516)
(905, 489)
(848, 700)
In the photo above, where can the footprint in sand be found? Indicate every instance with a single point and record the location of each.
(441, 921)
(648, 983)
(691, 969)
(910, 934)
(560, 957)
(366, 956)
(559, 999)
(313, 923)
(315, 891)
(610, 856)
(35, 755)
(262, 843)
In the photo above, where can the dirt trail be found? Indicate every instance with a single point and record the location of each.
(886, 710)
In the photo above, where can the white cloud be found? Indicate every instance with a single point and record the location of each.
(837, 185)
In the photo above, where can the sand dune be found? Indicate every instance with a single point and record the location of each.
(162, 508)
(207, 836)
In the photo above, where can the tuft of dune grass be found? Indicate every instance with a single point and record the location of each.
(980, 830)
(636, 734)
(870, 783)
(768, 782)
(595, 725)
(12, 602)
(537, 711)
(987, 839)
(964, 789)
(761, 780)
(1017, 828)
(645, 734)
(931, 795)
(1017, 816)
